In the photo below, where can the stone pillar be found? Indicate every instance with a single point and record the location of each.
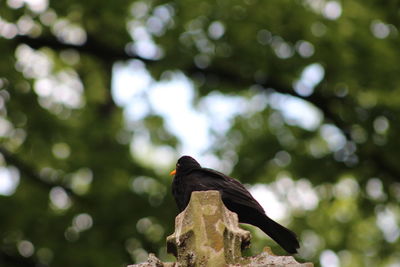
(207, 234)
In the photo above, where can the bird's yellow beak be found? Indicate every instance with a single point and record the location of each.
(173, 172)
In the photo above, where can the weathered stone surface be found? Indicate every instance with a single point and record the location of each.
(268, 259)
(153, 261)
(208, 234)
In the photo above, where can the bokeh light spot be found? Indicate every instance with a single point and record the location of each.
(216, 30)
(328, 258)
(45, 255)
(9, 180)
(379, 29)
(82, 222)
(26, 248)
(59, 199)
(332, 10)
(61, 150)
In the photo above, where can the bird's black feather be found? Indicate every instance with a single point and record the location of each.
(190, 176)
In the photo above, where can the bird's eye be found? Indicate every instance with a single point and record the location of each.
(177, 165)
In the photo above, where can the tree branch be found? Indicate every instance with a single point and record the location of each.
(91, 47)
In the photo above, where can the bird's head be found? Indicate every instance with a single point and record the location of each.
(184, 164)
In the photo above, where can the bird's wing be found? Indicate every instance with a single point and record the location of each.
(231, 189)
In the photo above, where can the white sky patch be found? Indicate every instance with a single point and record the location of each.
(161, 156)
(387, 222)
(144, 45)
(129, 84)
(329, 9)
(332, 10)
(63, 87)
(222, 108)
(9, 180)
(328, 258)
(302, 113)
(69, 32)
(5, 127)
(303, 196)
(173, 101)
(269, 201)
(32, 63)
(216, 30)
(346, 188)
(138, 93)
(37, 5)
(296, 111)
(310, 77)
(129, 81)
(333, 136)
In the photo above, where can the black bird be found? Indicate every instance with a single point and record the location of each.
(190, 176)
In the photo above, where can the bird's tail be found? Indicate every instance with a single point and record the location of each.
(283, 236)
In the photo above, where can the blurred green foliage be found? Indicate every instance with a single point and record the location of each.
(86, 196)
